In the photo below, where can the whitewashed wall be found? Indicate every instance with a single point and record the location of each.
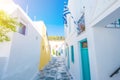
(63, 54)
(4, 54)
(103, 43)
(97, 10)
(76, 8)
(75, 68)
(106, 42)
(3, 62)
(5, 48)
(73, 39)
(24, 58)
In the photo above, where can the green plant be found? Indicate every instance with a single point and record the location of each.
(7, 24)
(53, 51)
(56, 38)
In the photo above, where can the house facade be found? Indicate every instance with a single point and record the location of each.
(20, 57)
(92, 39)
(45, 55)
(56, 47)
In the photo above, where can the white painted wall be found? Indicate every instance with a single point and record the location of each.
(75, 68)
(92, 53)
(76, 11)
(24, 58)
(106, 41)
(63, 54)
(3, 61)
(5, 46)
(5, 49)
(97, 10)
(4, 53)
(103, 43)
(73, 39)
(23, 52)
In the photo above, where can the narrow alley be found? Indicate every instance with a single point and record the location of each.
(59, 39)
(55, 70)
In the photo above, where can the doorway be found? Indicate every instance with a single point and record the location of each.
(85, 60)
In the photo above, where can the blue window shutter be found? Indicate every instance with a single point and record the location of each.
(72, 54)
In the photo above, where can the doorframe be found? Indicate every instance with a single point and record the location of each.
(80, 53)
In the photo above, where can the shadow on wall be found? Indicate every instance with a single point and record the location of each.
(3, 62)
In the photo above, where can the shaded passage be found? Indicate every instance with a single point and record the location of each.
(55, 70)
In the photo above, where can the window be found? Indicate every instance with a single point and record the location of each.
(72, 54)
(84, 44)
(22, 29)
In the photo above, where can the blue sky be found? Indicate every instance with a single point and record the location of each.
(50, 11)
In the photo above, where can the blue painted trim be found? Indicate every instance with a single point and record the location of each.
(72, 54)
(83, 40)
(84, 59)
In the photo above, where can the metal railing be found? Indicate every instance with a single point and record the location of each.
(115, 24)
(115, 72)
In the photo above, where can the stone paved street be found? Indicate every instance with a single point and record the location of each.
(55, 70)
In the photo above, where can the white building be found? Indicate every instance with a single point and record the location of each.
(93, 54)
(56, 46)
(19, 58)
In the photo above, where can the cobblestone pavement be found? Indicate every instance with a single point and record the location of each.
(55, 70)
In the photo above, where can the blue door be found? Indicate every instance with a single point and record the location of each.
(85, 60)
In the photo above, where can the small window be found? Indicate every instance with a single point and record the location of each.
(72, 54)
(84, 44)
(22, 29)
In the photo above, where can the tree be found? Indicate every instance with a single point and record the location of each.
(7, 24)
(53, 51)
